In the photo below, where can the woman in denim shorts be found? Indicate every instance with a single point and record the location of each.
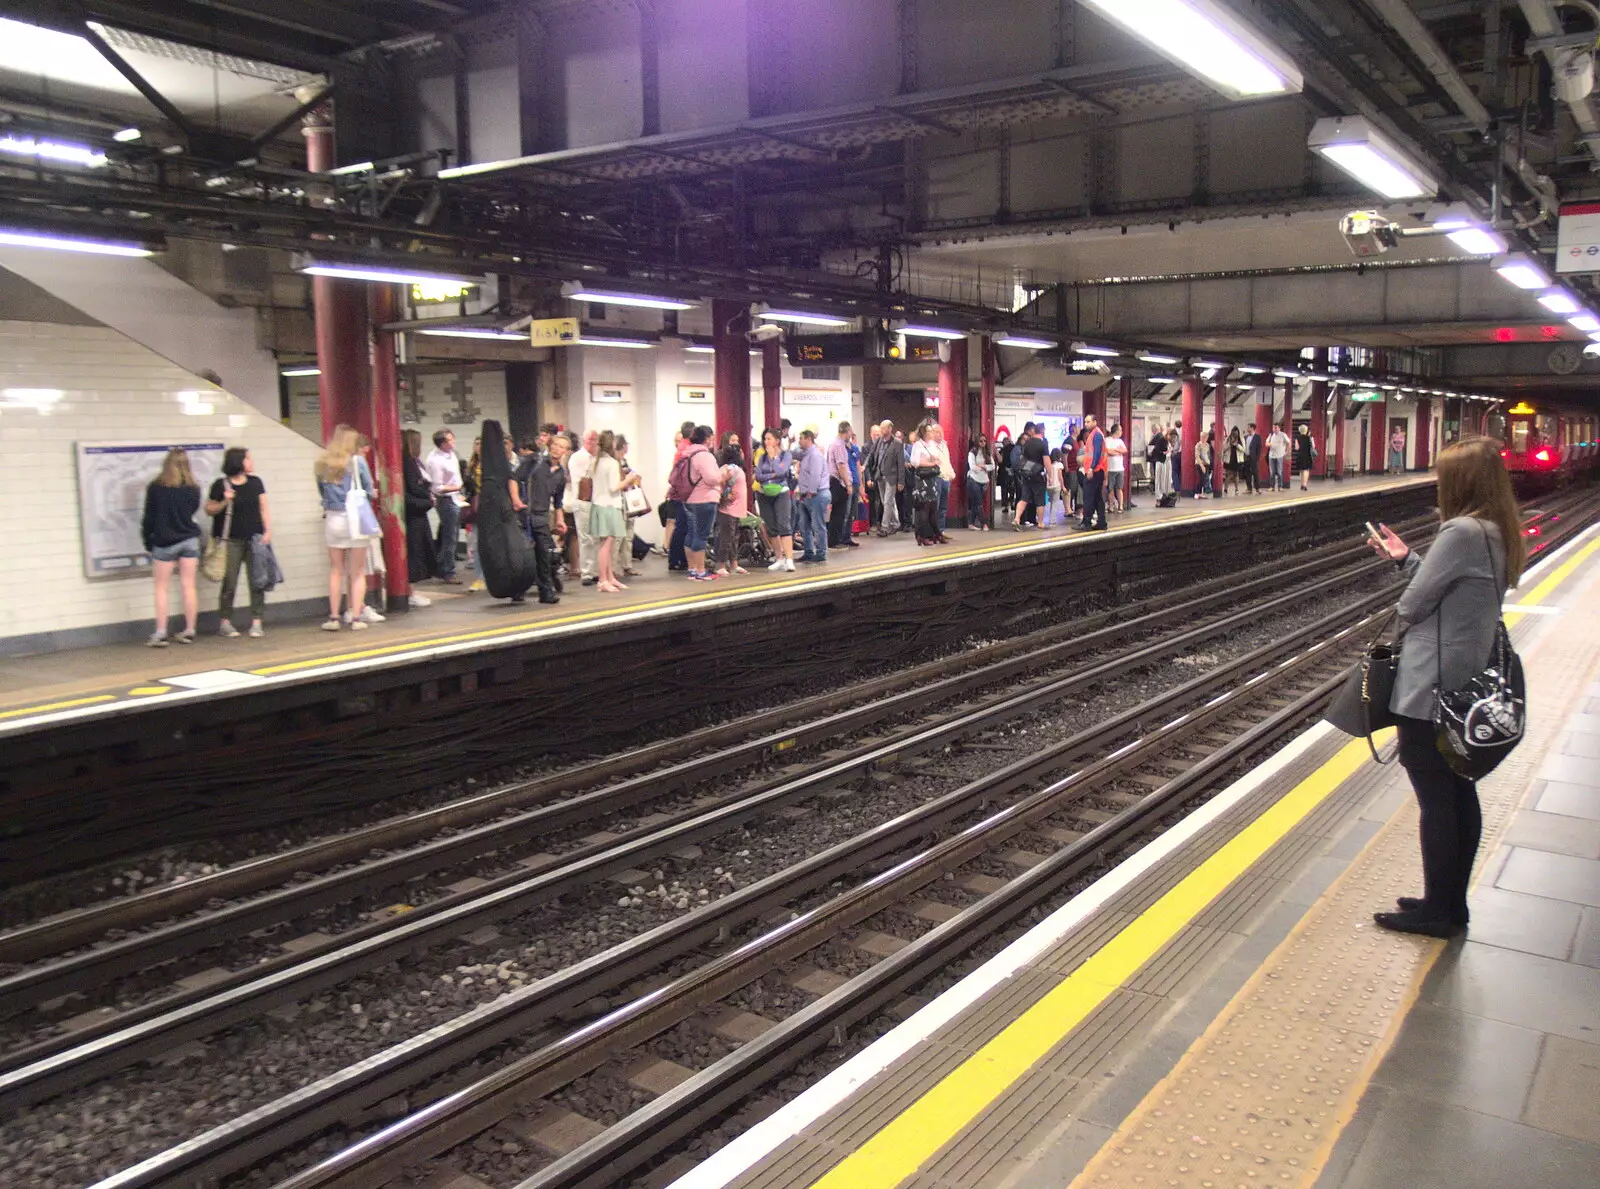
(172, 539)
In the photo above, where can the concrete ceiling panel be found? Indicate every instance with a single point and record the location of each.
(1155, 161)
(1222, 304)
(1315, 299)
(1255, 147)
(1049, 174)
(961, 42)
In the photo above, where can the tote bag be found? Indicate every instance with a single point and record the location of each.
(359, 516)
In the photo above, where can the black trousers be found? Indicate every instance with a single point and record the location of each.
(544, 553)
(1094, 500)
(841, 513)
(1452, 822)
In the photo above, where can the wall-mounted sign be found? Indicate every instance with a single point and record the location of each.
(930, 399)
(553, 332)
(692, 394)
(813, 349)
(432, 292)
(815, 396)
(1013, 404)
(112, 477)
(1578, 238)
(1366, 398)
(610, 394)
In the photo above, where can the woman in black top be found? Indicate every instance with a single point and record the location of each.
(237, 505)
(1304, 454)
(172, 539)
(1233, 460)
(420, 560)
(1032, 451)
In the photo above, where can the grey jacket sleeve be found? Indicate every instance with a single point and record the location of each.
(1457, 553)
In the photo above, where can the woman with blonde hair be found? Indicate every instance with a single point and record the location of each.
(606, 522)
(1449, 616)
(172, 539)
(339, 470)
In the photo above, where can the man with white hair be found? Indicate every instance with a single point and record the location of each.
(891, 478)
(580, 472)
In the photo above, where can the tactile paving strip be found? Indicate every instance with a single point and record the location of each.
(1261, 1098)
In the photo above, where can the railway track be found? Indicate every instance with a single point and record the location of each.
(351, 1094)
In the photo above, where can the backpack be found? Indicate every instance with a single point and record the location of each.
(679, 485)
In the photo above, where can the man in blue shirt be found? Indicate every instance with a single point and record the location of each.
(841, 485)
(813, 498)
(850, 541)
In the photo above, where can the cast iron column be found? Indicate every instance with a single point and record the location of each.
(1319, 415)
(1424, 434)
(339, 308)
(953, 420)
(1125, 417)
(771, 384)
(384, 302)
(730, 326)
(1193, 416)
(1338, 432)
(988, 369)
(1219, 442)
(1377, 438)
(1263, 431)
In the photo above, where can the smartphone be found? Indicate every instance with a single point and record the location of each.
(1372, 532)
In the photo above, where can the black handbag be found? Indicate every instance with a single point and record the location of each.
(1479, 724)
(1362, 704)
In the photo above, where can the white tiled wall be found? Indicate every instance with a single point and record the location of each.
(113, 389)
(442, 400)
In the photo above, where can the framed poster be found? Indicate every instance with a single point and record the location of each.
(112, 477)
(610, 394)
(696, 394)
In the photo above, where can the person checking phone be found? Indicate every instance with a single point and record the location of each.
(1476, 556)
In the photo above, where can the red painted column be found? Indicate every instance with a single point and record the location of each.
(730, 326)
(384, 304)
(1338, 432)
(1378, 438)
(1263, 431)
(339, 308)
(1424, 432)
(771, 385)
(1319, 416)
(1288, 408)
(1125, 418)
(953, 421)
(1193, 403)
(988, 377)
(1219, 440)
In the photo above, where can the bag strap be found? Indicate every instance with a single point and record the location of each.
(1499, 599)
(227, 515)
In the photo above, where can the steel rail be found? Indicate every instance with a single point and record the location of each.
(458, 1116)
(306, 1111)
(82, 926)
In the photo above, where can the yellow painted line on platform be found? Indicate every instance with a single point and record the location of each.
(917, 1134)
(149, 691)
(1560, 574)
(47, 707)
(931, 561)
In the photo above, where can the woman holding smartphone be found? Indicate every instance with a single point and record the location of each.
(1449, 614)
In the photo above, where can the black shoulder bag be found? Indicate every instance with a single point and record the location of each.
(1479, 724)
(1362, 704)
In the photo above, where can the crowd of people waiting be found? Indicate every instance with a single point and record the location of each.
(579, 499)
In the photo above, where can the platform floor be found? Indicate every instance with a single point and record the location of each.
(39, 688)
(1221, 1011)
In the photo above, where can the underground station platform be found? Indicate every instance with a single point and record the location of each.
(1219, 1010)
(266, 730)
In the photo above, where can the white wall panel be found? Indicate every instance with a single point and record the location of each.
(594, 86)
(1049, 171)
(1155, 160)
(833, 52)
(116, 390)
(704, 63)
(1257, 146)
(962, 42)
(494, 107)
(963, 187)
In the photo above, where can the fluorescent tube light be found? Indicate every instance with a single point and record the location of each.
(1585, 321)
(1087, 349)
(917, 330)
(126, 135)
(1284, 373)
(399, 274)
(1521, 270)
(702, 350)
(802, 316)
(631, 344)
(577, 292)
(67, 243)
(347, 170)
(1207, 364)
(53, 150)
(1155, 357)
(1162, 379)
(1250, 369)
(1355, 146)
(1470, 234)
(1207, 39)
(300, 371)
(476, 332)
(1559, 301)
(1026, 341)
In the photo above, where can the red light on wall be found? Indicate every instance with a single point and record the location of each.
(1551, 332)
(1504, 335)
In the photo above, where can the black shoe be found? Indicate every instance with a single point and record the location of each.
(590, 581)
(519, 598)
(1416, 922)
(1415, 904)
(547, 597)
(561, 587)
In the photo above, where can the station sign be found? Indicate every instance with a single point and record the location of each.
(1578, 238)
(813, 350)
(553, 332)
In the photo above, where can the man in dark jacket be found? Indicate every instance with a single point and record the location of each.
(1252, 462)
(547, 485)
(891, 480)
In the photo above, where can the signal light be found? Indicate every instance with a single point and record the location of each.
(1541, 455)
(896, 348)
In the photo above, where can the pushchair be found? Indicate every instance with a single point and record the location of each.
(751, 544)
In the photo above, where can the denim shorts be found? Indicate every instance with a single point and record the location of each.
(189, 548)
(702, 519)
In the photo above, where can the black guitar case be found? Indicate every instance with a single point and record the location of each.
(505, 554)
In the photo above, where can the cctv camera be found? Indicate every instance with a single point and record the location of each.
(1368, 233)
(765, 333)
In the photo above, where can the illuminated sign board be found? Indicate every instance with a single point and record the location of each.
(429, 292)
(1522, 409)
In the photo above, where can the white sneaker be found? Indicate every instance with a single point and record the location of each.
(331, 625)
(256, 631)
(788, 564)
(370, 614)
(227, 631)
(157, 640)
(777, 565)
(358, 626)
(420, 600)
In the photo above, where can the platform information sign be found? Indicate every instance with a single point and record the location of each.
(553, 332)
(112, 477)
(1578, 238)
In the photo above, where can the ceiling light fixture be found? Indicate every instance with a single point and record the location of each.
(698, 350)
(1284, 373)
(1521, 270)
(1155, 357)
(801, 316)
(1207, 39)
(292, 372)
(1585, 321)
(589, 340)
(1471, 235)
(1250, 369)
(1162, 379)
(1088, 349)
(475, 332)
(126, 135)
(577, 291)
(1207, 364)
(356, 270)
(1027, 342)
(1360, 150)
(17, 238)
(1559, 301)
(53, 150)
(922, 331)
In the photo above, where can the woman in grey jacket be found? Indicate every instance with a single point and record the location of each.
(1448, 615)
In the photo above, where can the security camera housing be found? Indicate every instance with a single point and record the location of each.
(765, 333)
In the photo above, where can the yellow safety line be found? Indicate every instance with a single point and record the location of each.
(896, 1151)
(1557, 576)
(47, 707)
